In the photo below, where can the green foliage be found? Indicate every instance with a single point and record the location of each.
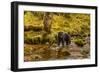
(30, 18)
(79, 42)
(48, 38)
(75, 24)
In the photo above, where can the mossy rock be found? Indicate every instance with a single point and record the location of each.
(27, 51)
(27, 58)
(36, 57)
(33, 40)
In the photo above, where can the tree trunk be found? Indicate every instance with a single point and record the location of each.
(47, 22)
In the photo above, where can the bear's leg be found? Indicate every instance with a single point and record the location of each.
(67, 42)
(62, 41)
(58, 41)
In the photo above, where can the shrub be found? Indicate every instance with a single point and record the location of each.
(50, 38)
(45, 39)
(79, 42)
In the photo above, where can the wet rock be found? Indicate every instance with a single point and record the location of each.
(36, 57)
(27, 58)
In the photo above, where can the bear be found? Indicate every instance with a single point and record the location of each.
(63, 38)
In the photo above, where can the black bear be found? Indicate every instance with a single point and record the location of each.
(63, 38)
